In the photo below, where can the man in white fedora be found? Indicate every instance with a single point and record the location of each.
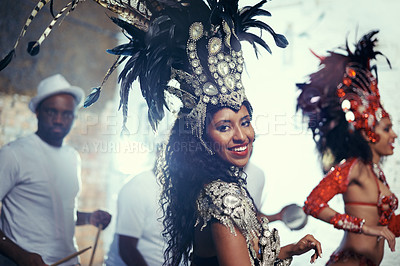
(39, 183)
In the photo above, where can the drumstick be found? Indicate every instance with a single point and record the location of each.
(70, 256)
(95, 243)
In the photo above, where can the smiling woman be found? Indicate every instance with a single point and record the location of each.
(208, 209)
(387, 136)
(192, 50)
(353, 133)
(232, 135)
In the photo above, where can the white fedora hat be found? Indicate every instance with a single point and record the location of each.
(52, 85)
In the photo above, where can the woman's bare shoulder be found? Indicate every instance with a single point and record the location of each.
(358, 170)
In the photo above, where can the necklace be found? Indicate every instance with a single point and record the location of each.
(379, 173)
(237, 174)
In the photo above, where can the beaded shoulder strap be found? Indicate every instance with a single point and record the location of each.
(230, 205)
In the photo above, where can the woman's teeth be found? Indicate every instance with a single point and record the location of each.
(242, 148)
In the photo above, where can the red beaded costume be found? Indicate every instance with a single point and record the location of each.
(345, 255)
(342, 102)
(336, 182)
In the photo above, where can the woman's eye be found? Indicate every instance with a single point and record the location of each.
(246, 123)
(223, 128)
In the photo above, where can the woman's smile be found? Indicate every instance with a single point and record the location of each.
(232, 135)
(240, 150)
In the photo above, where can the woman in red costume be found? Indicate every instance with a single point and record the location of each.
(353, 133)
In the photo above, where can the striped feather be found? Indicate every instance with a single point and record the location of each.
(34, 12)
(7, 59)
(34, 47)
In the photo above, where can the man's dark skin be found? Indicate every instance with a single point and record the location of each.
(55, 116)
(129, 252)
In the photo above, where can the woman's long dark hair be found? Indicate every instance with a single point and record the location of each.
(334, 136)
(183, 168)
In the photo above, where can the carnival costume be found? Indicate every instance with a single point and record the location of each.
(191, 50)
(229, 204)
(336, 182)
(345, 92)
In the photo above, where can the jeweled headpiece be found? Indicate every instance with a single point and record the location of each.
(197, 45)
(216, 80)
(193, 42)
(360, 99)
(344, 87)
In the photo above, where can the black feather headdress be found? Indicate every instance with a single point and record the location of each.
(197, 45)
(193, 42)
(343, 96)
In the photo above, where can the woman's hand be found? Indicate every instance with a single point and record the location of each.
(306, 244)
(380, 231)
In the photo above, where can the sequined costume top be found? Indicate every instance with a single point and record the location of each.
(336, 182)
(230, 205)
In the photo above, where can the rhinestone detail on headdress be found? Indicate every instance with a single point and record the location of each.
(218, 84)
(360, 100)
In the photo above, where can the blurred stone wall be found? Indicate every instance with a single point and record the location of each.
(76, 48)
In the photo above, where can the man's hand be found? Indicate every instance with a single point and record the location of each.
(100, 217)
(31, 259)
(17, 254)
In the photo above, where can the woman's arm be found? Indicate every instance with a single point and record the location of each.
(232, 220)
(302, 246)
(231, 249)
(335, 182)
(381, 231)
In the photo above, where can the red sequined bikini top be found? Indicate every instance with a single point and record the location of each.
(336, 182)
(386, 204)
